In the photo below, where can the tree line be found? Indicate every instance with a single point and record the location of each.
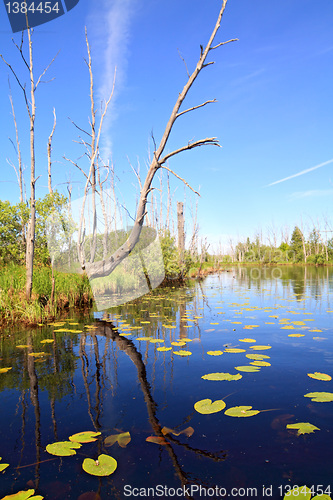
(314, 246)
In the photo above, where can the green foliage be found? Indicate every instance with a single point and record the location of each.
(296, 244)
(170, 256)
(12, 231)
(13, 228)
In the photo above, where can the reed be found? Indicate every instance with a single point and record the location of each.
(71, 290)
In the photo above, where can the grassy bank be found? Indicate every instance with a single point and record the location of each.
(71, 290)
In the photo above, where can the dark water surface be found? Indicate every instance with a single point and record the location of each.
(105, 379)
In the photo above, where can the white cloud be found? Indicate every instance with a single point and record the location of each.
(109, 27)
(311, 193)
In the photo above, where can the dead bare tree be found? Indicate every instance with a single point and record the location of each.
(105, 267)
(49, 149)
(92, 151)
(31, 110)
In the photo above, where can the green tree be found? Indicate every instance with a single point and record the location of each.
(297, 244)
(12, 244)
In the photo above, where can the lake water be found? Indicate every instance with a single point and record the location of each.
(97, 375)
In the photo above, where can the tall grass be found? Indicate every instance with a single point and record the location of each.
(71, 290)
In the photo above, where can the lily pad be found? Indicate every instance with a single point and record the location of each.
(320, 397)
(258, 362)
(247, 340)
(322, 497)
(47, 341)
(84, 437)
(241, 411)
(320, 376)
(214, 353)
(23, 495)
(182, 353)
(247, 368)
(3, 466)
(63, 448)
(179, 344)
(300, 492)
(123, 439)
(260, 347)
(164, 349)
(5, 370)
(206, 406)
(303, 428)
(234, 350)
(157, 440)
(257, 356)
(188, 431)
(221, 376)
(103, 466)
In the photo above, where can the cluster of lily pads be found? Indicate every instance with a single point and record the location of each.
(304, 493)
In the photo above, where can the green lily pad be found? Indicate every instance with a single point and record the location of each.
(258, 357)
(103, 466)
(164, 349)
(303, 428)
(63, 448)
(221, 376)
(241, 411)
(234, 350)
(181, 352)
(84, 437)
(206, 406)
(260, 347)
(123, 439)
(300, 492)
(258, 362)
(322, 497)
(320, 376)
(3, 466)
(23, 495)
(47, 341)
(214, 353)
(320, 397)
(247, 368)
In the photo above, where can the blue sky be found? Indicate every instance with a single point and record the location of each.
(274, 115)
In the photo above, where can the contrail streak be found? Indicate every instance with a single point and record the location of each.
(301, 173)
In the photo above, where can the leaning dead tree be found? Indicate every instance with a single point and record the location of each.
(105, 267)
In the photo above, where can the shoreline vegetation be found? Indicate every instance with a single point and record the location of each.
(72, 292)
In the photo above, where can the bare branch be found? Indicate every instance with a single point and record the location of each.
(196, 107)
(45, 70)
(213, 141)
(188, 74)
(82, 130)
(180, 178)
(19, 83)
(223, 43)
(20, 49)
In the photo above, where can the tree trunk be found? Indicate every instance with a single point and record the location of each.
(181, 234)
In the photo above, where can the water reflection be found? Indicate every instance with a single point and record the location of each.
(95, 379)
